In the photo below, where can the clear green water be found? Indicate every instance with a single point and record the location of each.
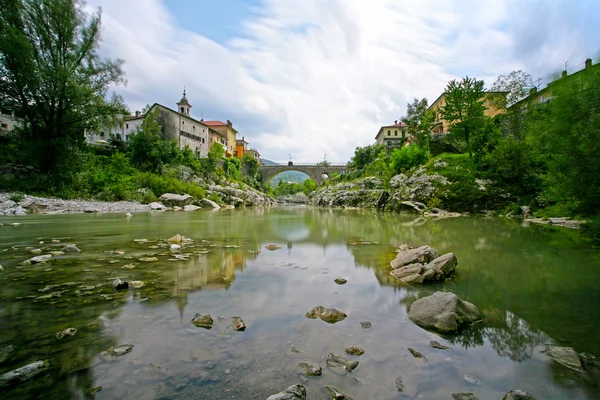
(534, 285)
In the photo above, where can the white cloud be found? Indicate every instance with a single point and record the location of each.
(312, 77)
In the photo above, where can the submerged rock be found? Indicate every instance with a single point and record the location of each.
(436, 345)
(203, 321)
(311, 369)
(355, 350)
(121, 350)
(24, 373)
(71, 248)
(238, 324)
(136, 284)
(67, 332)
(518, 395)
(565, 356)
(294, 392)
(472, 379)
(340, 281)
(338, 361)
(464, 396)
(366, 325)
(443, 311)
(335, 393)
(272, 247)
(38, 259)
(128, 215)
(329, 315)
(148, 259)
(416, 354)
(6, 353)
(590, 363)
(120, 284)
(399, 384)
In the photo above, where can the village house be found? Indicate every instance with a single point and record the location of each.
(392, 136)
(8, 123)
(241, 149)
(223, 133)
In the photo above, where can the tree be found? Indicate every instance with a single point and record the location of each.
(52, 77)
(464, 109)
(517, 84)
(420, 121)
(147, 148)
(364, 156)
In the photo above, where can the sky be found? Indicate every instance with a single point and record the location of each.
(314, 79)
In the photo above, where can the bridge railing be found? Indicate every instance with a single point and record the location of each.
(305, 164)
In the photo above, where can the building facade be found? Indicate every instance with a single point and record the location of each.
(226, 131)
(8, 123)
(392, 136)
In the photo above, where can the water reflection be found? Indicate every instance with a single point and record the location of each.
(532, 284)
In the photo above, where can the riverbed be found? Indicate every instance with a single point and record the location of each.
(534, 285)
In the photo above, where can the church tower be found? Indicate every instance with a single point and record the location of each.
(184, 105)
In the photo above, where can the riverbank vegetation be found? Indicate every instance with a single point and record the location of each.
(540, 154)
(57, 84)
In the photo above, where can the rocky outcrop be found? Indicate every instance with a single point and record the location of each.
(444, 312)
(329, 315)
(566, 356)
(240, 194)
(563, 222)
(422, 264)
(296, 198)
(294, 392)
(518, 395)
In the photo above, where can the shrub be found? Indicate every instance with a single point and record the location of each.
(408, 157)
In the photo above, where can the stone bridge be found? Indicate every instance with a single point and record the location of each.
(316, 172)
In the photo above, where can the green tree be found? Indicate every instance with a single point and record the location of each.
(53, 78)
(420, 121)
(408, 157)
(147, 148)
(252, 164)
(215, 155)
(364, 156)
(464, 109)
(517, 84)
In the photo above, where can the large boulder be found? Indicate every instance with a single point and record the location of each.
(444, 312)
(294, 392)
(566, 356)
(179, 200)
(24, 373)
(423, 254)
(445, 263)
(211, 204)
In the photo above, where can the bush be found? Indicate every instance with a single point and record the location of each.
(232, 168)
(408, 157)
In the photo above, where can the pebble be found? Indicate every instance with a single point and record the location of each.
(366, 325)
(472, 379)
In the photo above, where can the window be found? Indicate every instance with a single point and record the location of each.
(182, 110)
(403, 134)
(4, 125)
(395, 133)
(126, 126)
(389, 133)
(182, 122)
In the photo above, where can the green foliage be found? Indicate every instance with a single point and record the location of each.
(53, 77)
(408, 157)
(420, 121)
(252, 164)
(380, 168)
(464, 109)
(147, 148)
(286, 188)
(517, 84)
(16, 197)
(364, 156)
(232, 168)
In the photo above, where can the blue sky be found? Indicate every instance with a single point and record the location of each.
(316, 77)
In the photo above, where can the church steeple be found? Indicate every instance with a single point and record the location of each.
(184, 105)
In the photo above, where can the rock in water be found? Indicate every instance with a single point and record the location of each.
(1, 269)
(518, 395)
(422, 255)
(136, 284)
(341, 281)
(179, 200)
(24, 373)
(416, 354)
(148, 259)
(355, 350)
(446, 263)
(472, 379)
(565, 356)
(121, 350)
(336, 394)
(175, 247)
(38, 259)
(443, 311)
(272, 247)
(120, 284)
(71, 248)
(6, 353)
(67, 332)
(311, 369)
(329, 315)
(590, 363)
(464, 396)
(176, 239)
(338, 361)
(203, 321)
(436, 345)
(128, 215)
(211, 203)
(294, 392)
(238, 324)
(155, 206)
(399, 384)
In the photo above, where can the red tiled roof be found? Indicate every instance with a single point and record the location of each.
(214, 123)
(400, 125)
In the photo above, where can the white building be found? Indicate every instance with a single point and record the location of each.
(8, 123)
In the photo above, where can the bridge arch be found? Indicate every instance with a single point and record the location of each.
(314, 171)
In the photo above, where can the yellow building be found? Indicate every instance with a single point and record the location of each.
(225, 130)
(392, 136)
(492, 101)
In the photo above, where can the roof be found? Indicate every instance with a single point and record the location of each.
(178, 113)
(184, 100)
(401, 125)
(214, 123)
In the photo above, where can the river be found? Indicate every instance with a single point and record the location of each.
(534, 285)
